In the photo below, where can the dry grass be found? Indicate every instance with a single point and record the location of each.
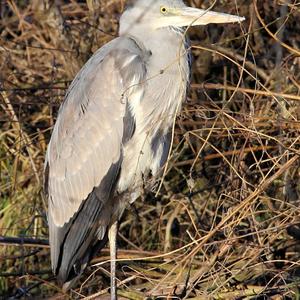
(224, 224)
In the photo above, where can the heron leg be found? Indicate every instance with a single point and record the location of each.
(112, 235)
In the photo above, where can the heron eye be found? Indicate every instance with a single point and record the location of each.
(163, 10)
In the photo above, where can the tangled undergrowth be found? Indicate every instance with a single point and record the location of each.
(224, 222)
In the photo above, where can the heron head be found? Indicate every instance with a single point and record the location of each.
(157, 14)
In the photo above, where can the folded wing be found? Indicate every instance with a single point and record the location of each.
(85, 152)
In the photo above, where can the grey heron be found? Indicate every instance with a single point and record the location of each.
(114, 129)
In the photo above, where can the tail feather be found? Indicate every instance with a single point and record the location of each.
(74, 244)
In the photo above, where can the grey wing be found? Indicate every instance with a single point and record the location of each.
(85, 151)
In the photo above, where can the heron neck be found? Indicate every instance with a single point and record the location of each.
(167, 47)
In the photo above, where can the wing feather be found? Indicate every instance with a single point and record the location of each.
(87, 137)
(85, 151)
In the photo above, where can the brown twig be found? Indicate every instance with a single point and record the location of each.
(216, 86)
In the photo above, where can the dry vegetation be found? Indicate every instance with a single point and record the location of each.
(224, 223)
